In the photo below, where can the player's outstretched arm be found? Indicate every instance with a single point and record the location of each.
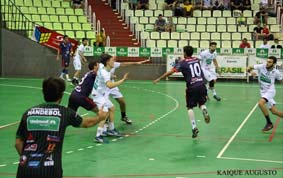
(250, 68)
(111, 84)
(134, 63)
(91, 121)
(166, 74)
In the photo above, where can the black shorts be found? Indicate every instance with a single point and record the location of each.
(76, 100)
(65, 61)
(196, 96)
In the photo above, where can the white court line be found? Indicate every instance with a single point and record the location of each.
(7, 125)
(237, 131)
(256, 160)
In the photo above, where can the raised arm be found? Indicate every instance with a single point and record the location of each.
(111, 84)
(134, 63)
(166, 74)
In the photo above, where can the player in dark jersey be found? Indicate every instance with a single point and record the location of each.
(80, 95)
(41, 133)
(66, 50)
(196, 92)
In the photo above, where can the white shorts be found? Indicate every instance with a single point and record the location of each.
(103, 102)
(269, 95)
(209, 74)
(77, 64)
(115, 93)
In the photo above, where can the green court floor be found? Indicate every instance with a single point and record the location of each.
(159, 142)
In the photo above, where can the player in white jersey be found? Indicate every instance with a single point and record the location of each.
(78, 59)
(208, 57)
(101, 92)
(115, 92)
(267, 74)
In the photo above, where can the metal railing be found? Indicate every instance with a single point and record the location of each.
(14, 20)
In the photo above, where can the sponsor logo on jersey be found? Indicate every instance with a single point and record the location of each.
(30, 147)
(33, 163)
(36, 155)
(265, 78)
(51, 138)
(48, 123)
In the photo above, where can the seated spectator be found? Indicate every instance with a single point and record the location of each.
(178, 10)
(217, 5)
(236, 5)
(242, 20)
(245, 44)
(197, 4)
(188, 8)
(261, 16)
(78, 4)
(143, 4)
(169, 4)
(207, 4)
(170, 27)
(160, 24)
(263, 3)
(265, 44)
(276, 44)
(247, 5)
(133, 4)
(100, 39)
(265, 33)
(257, 31)
(226, 4)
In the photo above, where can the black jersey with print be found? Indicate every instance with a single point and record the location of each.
(42, 129)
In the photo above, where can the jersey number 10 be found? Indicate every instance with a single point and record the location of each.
(195, 69)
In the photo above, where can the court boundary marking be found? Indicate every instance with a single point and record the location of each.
(113, 140)
(219, 156)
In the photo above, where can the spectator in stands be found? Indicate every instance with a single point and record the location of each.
(178, 10)
(247, 5)
(242, 20)
(78, 4)
(133, 4)
(257, 31)
(217, 5)
(188, 8)
(265, 44)
(160, 24)
(276, 44)
(207, 4)
(143, 4)
(261, 16)
(100, 39)
(169, 4)
(197, 4)
(226, 4)
(265, 33)
(263, 3)
(170, 27)
(236, 5)
(245, 44)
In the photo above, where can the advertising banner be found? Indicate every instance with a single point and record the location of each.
(50, 38)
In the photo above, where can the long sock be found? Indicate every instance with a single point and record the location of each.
(61, 75)
(202, 107)
(268, 119)
(67, 76)
(105, 127)
(99, 131)
(123, 114)
(111, 125)
(192, 118)
(213, 92)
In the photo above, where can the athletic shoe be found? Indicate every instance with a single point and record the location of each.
(217, 98)
(114, 132)
(104, 134)
(206, 116)
(126, 120)
(267, 127)
(100, 139)
(195, 132)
